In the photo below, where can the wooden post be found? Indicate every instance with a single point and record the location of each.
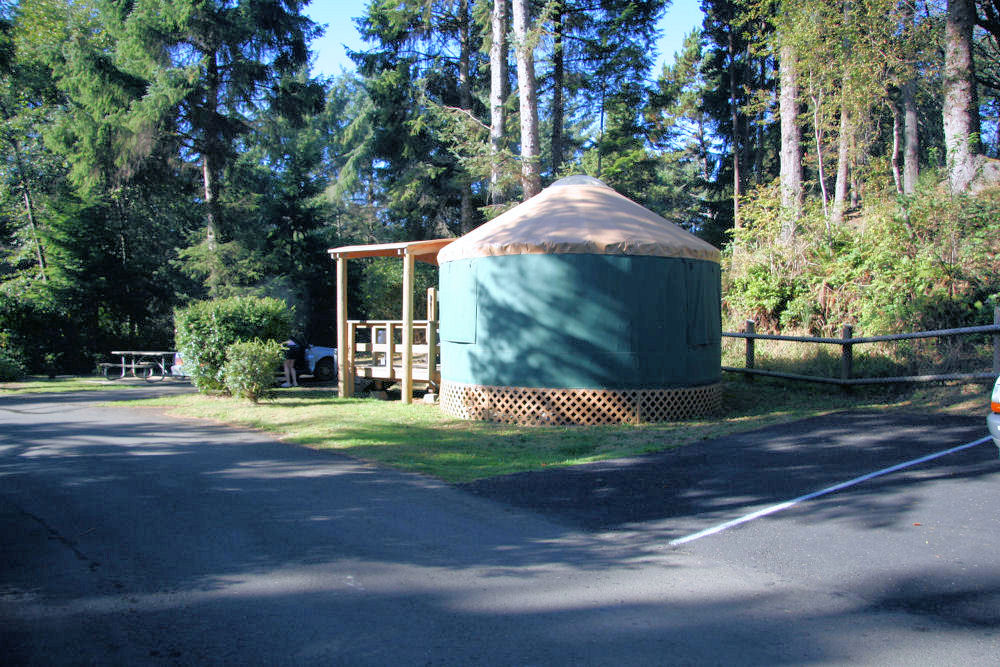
(390, 349)
(344, 343)
(352, 352)
(847, 355)
(408, 271)
(751, 354)
(996, 342)
(432, 338)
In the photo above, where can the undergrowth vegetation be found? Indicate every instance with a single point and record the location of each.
(899, 264)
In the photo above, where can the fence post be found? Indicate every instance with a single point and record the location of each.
(996, 341)
(751, 361)
(847, 355)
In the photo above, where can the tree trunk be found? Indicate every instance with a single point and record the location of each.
(841, 185)
(211, 161)
(911, 139)
(558, 82)
(209, 157)
(791, 145)
(858, 159)
(498, 86)
(897, 141)
(467, 219)
(843, 154)
(29, 208)
(531, 181)
(210, 182)
(960, 111)
(600, 136)
(734, 116)
(817, 100)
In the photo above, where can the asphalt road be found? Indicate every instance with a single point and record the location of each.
(131, 537)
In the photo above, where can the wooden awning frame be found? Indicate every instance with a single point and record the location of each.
(410, 251)
(423, 251)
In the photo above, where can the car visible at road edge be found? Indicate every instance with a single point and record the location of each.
(993, 420)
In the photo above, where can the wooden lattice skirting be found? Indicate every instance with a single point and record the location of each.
(535, 407)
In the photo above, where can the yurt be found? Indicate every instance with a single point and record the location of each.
(579, 306)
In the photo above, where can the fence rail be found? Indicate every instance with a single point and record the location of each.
(847, 341)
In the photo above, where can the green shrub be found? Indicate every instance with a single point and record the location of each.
(10, 368)
(206, 328)
(250, 366)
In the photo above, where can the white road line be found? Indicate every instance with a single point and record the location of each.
(830, 489)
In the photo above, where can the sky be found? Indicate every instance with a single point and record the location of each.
(341, 33)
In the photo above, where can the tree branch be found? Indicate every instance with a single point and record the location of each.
(468, 113)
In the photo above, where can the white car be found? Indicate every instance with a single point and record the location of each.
(993, 420)
(320, 362)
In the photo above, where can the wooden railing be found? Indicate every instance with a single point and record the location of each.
(411, 359)
(379, 355)
(847, 341)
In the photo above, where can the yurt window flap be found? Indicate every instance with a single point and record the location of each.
(459, 301)
(704, 325)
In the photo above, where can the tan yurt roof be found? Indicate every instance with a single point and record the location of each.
(579, 215)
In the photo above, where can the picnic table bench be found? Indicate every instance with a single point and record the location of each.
(150, 365)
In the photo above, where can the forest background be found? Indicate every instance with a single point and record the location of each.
(843, 154)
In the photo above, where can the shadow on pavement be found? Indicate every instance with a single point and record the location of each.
(129, 537)
(725, 476)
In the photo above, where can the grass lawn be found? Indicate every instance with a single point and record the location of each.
(421, 438)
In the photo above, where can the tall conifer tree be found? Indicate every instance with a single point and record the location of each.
(206, 66)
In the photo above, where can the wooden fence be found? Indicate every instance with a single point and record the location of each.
(384, 358)
(847, 341)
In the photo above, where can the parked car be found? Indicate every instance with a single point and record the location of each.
(319, 362)
(993, 420)
(177, 368)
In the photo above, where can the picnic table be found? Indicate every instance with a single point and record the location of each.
(150, 365)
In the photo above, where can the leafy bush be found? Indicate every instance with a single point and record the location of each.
(10, 368)
(206, 328)
(901, 264)
(249, 368)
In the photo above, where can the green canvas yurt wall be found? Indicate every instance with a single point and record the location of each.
(579, 306)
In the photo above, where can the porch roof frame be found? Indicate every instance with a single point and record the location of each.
(409, 251)
(424, 251)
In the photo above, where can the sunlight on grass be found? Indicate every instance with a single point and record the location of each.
(420, 438)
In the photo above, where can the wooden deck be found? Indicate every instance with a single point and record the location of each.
(395, 374)
(409, 252)
(382, 355)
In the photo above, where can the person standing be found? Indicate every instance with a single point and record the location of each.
(291, 352)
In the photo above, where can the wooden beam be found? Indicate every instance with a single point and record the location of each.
(352, 365)
(345, 373)
(390, 346)
(408, 271)
(432, 337)
(424, 251)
